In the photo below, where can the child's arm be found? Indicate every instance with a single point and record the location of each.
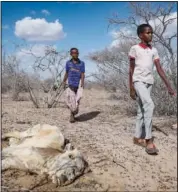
(132, 56)
(83, 75)
(131, 71)
(163, 76)
(82, 79)
(65, 78)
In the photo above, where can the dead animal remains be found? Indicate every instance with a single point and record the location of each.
(43, 149)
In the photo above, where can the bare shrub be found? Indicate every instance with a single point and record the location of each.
(42, 92)
(47, 83)
(113, 63)
(165, 104)
(22, 97)
(13, 78)
(113, 66)
(118, 97)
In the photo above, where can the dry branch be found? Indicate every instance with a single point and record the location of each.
(52, 62)
(119, 164)
(33, 97)
(113, 63)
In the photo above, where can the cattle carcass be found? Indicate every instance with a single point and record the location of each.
(43, 149)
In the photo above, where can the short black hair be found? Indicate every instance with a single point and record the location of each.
(141, 28)
(73, 48)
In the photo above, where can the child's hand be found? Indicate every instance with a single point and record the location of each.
(64, 85)
(55, 87)
(82, 85)
(171, 91)
(132, 93)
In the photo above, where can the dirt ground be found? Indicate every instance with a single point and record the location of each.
(103, 133)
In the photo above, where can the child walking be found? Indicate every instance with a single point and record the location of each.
(142, 58)
(75, 72)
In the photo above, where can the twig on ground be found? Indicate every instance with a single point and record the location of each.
(99, 161)
(23, 122)
(118, 164)
(160, 130)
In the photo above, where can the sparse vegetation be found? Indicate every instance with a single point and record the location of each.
(105, 124)
(41, 93)
(113, 63)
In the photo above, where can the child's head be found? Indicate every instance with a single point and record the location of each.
(145, 32)
(74, 53)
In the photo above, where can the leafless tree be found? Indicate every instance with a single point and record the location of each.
(113, 66)
(161, 19)
(13, 78)
(49, 64)
(52, 62)
(113, 62)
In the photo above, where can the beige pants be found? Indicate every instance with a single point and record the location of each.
(73, 99)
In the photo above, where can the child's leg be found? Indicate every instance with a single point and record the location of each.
(71, 103)
(78, 98)
(77, 107)
(140, 119)
(71, 99)
(143, 91)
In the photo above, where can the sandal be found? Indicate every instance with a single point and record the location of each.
(153, 150)
(139, 142)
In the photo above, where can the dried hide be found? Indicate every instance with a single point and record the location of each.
(43, 149)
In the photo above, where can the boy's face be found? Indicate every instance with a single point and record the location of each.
(147, 35)
(74, 54)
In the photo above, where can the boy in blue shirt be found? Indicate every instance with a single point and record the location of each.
(75, 72)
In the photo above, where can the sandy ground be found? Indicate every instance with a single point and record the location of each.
(103, 133)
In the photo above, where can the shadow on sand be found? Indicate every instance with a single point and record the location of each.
(87, 116)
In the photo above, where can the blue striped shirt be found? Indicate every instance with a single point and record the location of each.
(74, 71)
